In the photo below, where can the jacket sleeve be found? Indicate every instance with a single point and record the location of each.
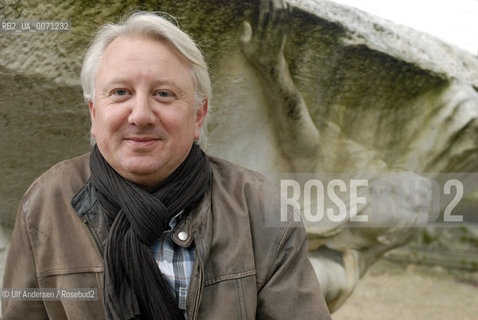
(20, 272)
(292, 291)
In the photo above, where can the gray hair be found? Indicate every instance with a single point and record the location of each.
(152, 26)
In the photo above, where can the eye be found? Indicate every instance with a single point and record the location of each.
(120, 92)
(164, 95)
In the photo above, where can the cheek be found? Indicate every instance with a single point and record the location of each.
(107, 122)
(176, 122)
(100, 130)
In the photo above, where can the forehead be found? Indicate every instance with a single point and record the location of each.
(140, 55)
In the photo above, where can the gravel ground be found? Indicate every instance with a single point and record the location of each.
(391, 291)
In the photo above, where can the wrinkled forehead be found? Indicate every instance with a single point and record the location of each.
(147, 56)
(154, 54)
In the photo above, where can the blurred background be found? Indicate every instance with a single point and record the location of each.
(435, 276)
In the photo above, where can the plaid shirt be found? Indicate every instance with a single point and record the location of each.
(175, 263)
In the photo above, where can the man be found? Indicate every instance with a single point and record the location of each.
(159, 228)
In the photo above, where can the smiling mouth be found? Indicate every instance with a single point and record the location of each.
(142, 141)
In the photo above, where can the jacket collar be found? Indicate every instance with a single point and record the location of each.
(85, 200)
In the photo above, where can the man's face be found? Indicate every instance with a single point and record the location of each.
(143, 115)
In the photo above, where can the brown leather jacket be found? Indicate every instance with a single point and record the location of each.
(243, 269)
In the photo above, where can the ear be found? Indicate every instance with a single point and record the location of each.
(200, 116)
(92, 117)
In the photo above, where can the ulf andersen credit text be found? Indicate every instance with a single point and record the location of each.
(32, 294)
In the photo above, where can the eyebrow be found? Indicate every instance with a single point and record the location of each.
(125, 81)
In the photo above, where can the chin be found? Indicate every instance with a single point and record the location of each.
(143, 169)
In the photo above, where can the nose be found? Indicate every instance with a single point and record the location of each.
(142, 113)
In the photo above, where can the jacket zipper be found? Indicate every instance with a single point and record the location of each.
(94, 239)
(199, 290)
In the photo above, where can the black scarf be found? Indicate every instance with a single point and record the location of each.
(133, 284)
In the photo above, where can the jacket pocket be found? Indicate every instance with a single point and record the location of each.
(232, 299)
(67, 307)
